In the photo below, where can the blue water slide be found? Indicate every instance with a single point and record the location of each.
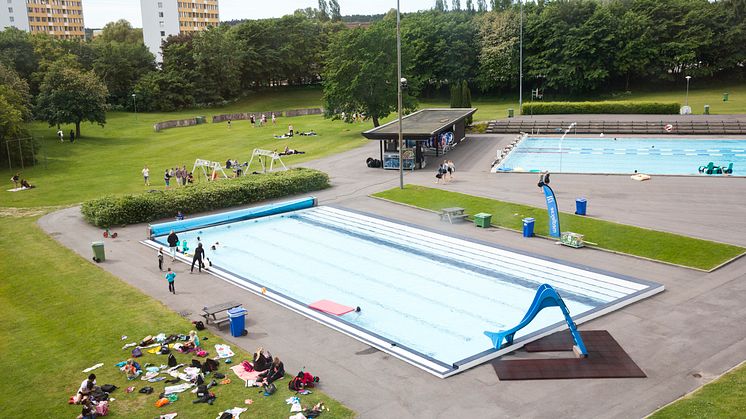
(546, 296)
(231, 216)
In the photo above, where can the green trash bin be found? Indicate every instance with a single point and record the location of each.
(707, 109)
(98, 251)
(201, 119)
(483, 220)
(725, 97)
(510, 113)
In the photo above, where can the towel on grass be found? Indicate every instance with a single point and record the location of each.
(236, 412)
(243, 374)
(224, 351)
(297, 416)
(177, 389)
(100, 364)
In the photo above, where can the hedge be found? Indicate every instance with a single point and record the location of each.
(553, 108)
(149, 206)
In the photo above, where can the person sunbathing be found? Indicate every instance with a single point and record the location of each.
(289, 151)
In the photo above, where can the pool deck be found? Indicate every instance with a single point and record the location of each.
(681, 338)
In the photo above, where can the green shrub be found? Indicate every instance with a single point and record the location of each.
(553, 108)
(149, 206)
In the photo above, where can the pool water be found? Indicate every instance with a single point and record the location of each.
(625, 155)
(428, 293)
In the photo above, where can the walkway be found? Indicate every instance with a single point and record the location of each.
(681, 338)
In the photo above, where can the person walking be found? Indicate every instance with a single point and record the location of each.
(160, 259)
(173, 241)
(72, 136)
(252, 119)
(61, 135)
(146, 175)
(229, 124)
(451, 169)
(274, 119)
(171, 277)
(199, 255)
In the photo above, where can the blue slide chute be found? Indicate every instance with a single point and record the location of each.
(546, 296)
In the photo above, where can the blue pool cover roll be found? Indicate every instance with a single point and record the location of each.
(230, 216)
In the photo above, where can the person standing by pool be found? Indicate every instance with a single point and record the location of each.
(160, 259)
(146, 175)
(173, 241)
(171, 277)
(199, 254)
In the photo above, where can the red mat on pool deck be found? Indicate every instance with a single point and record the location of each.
(331, 307)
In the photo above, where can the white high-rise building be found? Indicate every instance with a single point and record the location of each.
(162, 18)
(58, 18)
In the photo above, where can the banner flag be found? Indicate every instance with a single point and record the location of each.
(554, 224)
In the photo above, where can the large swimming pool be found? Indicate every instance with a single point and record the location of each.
(624, 155)
(425, 297)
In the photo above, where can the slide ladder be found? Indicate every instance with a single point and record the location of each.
(546, 296)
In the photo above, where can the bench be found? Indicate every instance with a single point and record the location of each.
(454, 213)
(211, 313)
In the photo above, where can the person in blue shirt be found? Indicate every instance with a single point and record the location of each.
(170, 277)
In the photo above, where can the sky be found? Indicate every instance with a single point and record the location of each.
(98, 13)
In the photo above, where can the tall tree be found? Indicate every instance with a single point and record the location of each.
(70, 96)
(498, 50)
(456, 5)
(17, 51)
(481, 6)
(360, 74)
(120, 65)
(323, 10)
(334, 12)
(470, 6)
(440, 5)
(120, 31)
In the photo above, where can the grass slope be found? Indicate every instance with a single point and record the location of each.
(656, 245)
(56, 322)
(722, 398)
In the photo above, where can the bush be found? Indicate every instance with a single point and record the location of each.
(145, 207)
(553, 108)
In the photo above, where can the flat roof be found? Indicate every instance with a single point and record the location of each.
(422, 124)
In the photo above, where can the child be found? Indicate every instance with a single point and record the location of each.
(160, 259)
(170, 277)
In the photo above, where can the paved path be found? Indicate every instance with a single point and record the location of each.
(681, 338)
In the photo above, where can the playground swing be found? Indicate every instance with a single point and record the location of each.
(210, 169)
(261, 155)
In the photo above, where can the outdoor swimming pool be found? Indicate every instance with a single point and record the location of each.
(624, 155)
(425, 297)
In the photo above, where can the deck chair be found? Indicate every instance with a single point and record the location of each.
(707, 169)
(728, 170)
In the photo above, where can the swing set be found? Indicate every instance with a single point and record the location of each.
(210, 169)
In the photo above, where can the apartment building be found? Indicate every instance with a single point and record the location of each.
(58, 18)
(162, 18)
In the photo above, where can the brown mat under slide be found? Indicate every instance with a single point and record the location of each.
(606, 359)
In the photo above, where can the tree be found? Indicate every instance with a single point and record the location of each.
(334, 11)
(323, 11)
(14, 111)
(456, 5)
(120, 65)
(470, 6)
(68, 95)
(360, 74)
(17, 51)
(440, 5)
(120, 31)
(456, 95)
(498, 50)
(481, 6)
(16, 91)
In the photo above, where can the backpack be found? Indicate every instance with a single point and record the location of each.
(196, 363)
(108, 388)
(146, 390)
(102, 408)
(164, 350)
(295, 384)
(270, 389)
(171, 360)
(199, 325)
(226, 415)
(209, 365)
(136, 353)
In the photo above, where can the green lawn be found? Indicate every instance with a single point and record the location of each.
(722, 398)
(656, 245)
(56, 322)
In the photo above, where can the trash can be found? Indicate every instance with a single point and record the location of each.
(707, 109)
(580, 206)
(98, 251)
(483, 220)
(238, 321)
(725, 97)
(528, 227)
(510, 112)
(200, 119)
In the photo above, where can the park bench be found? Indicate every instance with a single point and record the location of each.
(218, 314)
(454, 213)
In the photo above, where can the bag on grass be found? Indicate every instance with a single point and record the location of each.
(199, 325)
(295, 384)
(226, 415)
(218, 376)
(136, 353)
(108, 388)
(247, 366)
(146, 390)
(209, 365)
(147, 341)
(171, 360)
(102, 408)
(270, 389)
(164, 350)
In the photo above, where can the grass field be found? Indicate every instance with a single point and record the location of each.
(656, 245)
(55, 324)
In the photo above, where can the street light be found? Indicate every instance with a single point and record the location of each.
(520, 65)
(399, 82)
(687, 90)
(134, 101)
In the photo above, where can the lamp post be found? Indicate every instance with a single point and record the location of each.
(399, 94)
(520, 68)
(134, 102)
(687, 90)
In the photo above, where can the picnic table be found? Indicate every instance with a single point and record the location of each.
(453, 213)
(210, 313)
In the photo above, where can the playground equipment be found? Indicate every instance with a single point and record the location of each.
(210, 169)
(545, 297)
(261, 157)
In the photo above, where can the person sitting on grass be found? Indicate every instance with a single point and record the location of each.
(262, 360)
(88, 411)
(192, 343)
(26, 185)
(15, 179)
(131, 369)
(86, 388)
(274, 373)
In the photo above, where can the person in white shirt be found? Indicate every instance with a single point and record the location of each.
(146, 175)
(86, 388)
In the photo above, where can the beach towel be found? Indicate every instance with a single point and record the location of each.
(236, 412)
(17, 189)
(93, 367)
(224, 351)
(177, 389)
(297, 416)
(243, 374)
(168, 416)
